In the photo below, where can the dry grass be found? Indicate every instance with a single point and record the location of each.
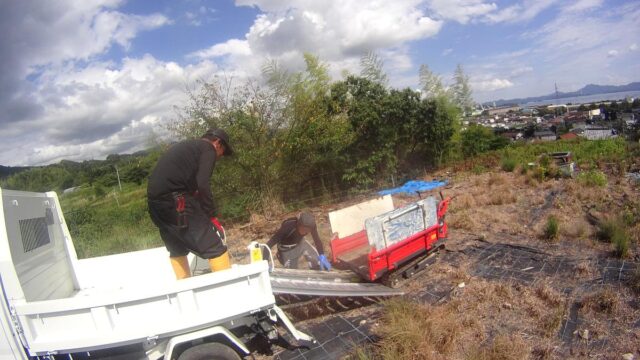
(604, 301)
(503, 347)
(585, 269)
(548, 294)
(415, 331)
(464, 201)
(506, 196)
(576, 229)
(461, 220)
(634, 281)
(496, 179)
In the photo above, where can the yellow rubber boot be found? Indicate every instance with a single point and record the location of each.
(180, 265)
(220, 263)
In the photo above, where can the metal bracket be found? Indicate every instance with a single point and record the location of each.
(298, 335)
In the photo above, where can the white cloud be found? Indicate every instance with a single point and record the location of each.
(446, 52)
(50, 96)
(101, 109)
(572, 49)
(199, 16)
(230, 47)
(490, 85)
(461, 11)
(339, 33)
(524, 11)
(521, 70)
(633, 47)
(583, 5)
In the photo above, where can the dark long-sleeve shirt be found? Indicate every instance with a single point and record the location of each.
(288, 235)
(186, 168)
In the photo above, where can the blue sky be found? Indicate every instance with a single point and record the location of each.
(81, 80)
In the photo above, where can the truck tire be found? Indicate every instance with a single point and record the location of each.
(209, 351)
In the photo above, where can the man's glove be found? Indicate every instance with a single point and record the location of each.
(218, 228)
(324, 263)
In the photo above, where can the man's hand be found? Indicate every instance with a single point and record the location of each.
(324, 263)
(218, 228)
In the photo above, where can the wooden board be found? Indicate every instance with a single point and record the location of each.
(351, 219)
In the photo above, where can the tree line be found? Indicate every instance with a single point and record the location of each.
(301, 136)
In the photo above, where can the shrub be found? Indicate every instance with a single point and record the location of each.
(551, 228)
(99, 191)
(607, 230)
(620, 242)
(539, 173)
(479, 169)
(615, 232)
(593, 178)
(509, 164)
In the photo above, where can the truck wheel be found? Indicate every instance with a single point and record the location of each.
(209, 351)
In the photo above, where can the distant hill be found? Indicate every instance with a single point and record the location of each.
(10, 170)
(590, 89)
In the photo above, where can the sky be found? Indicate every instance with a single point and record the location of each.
(80, 80)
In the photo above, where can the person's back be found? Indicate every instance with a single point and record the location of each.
(177, 168)
(181, 203)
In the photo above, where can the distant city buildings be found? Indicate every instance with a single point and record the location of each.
(603, 120)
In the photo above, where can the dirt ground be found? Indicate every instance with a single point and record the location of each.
(501, 289)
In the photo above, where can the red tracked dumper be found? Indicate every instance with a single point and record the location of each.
(381, 243)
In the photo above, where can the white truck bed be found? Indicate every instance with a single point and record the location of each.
(60, 304)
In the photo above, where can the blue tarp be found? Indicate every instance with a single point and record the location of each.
(414, 186)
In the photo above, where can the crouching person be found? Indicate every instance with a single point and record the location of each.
(292, 246)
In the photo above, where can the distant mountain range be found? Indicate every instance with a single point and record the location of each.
(6, 171)
(10, 170)
(590, 89)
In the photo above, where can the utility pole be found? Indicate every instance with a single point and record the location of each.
(118, 174)
(556, 109)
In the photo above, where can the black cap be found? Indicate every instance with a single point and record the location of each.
(222, 135)
(307, 220)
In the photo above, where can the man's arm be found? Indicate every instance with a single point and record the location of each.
(203, 178)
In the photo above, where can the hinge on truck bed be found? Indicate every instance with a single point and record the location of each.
(15, 321)
(16, 325)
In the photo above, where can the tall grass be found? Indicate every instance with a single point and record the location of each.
(508, 164)
(593, 178)
(583, 151)
(614, 231)
(113, 223)
(551, 229)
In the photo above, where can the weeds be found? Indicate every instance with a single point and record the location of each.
(479, 169)
(593, 178)
(503, 347)
(607, 229)
(509, 164)
(551, 228)
(620, 242)
(614, 231)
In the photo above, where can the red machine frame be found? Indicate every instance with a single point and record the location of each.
(374, 264)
